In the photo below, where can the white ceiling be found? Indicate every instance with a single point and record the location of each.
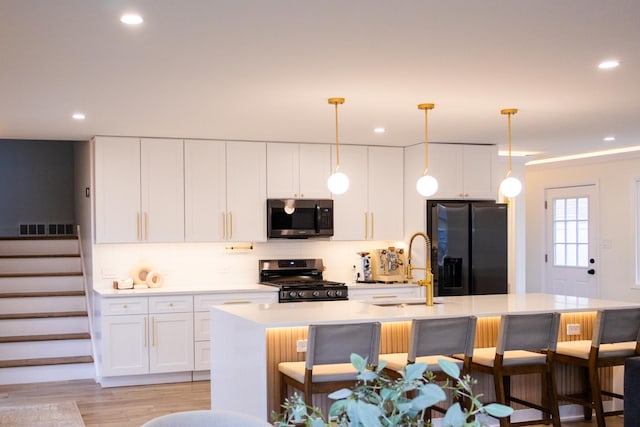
(263, 70)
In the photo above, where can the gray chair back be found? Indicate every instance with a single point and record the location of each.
(431, 337)
(537, 331)
(616, 325)
(328, 344)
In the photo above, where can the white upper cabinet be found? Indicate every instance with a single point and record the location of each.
(298, 171)
(139, 190)
(463, 171)
(371, 209)
(225, 191)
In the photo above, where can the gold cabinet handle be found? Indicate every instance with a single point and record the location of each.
(372, 228)
(230, 226)
(146, 332)
(384, 296)
(366, 226)
(236, 302)
(170, 304)
(137, 225)
(224, 226)
(124, 306)
(153, 332)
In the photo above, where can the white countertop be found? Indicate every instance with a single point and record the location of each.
(185, 290)
(297, 314)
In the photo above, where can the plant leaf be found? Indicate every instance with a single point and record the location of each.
(358, 362)
(449, 368)
(414, 371)
(498, 410)
(454, 416)
(430, 394)
(368, 414)
(343, 393)
(367, 376)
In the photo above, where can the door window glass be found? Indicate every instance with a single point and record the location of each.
(571, 232)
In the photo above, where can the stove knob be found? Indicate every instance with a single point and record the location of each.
(339, 293)
(316, 293)
(292, 294)
(302, 294)
(331, 294)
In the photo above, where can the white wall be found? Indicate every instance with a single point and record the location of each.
(615, 180)
(211, 265)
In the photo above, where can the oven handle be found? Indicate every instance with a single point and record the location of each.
(317, 219)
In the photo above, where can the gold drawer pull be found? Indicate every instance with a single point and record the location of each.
(237, 302)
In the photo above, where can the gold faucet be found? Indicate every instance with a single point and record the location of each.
(427, 282)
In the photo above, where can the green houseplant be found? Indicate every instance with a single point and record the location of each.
(379, 401)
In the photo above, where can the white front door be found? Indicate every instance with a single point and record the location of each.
(571, 263)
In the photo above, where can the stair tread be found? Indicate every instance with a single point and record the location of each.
(42, 294)
(65, 273)
(13, 316)
(45, 361)
(49, 337)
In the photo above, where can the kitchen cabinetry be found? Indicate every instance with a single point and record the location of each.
(139, 190)
(201, 304)
(143, 335)
(225, 191)
(463, 171)
(372, 207)
(298, 170)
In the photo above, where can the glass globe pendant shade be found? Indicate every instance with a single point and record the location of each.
(338, 183)
(510, 187)
(427, 185)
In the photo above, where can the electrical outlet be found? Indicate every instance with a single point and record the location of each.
(573, 329)
(301, 346)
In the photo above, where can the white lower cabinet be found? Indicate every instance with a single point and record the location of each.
(201, 316)
(143, 335)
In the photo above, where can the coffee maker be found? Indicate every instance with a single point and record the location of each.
(363, 268)
(389, 265)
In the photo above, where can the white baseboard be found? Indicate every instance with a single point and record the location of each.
(173, 377)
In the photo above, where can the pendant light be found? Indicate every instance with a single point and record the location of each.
(426, 185)
(510, 186)
(338, 182)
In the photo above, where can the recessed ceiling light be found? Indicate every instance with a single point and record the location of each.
(78, 116)
(131, 19)
(609, 138)
(379, 130)
(610, 63)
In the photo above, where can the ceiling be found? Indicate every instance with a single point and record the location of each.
(263, 70)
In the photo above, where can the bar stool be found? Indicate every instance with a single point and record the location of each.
(526, 345)
(328, 367)
(615, 338)
(431, 340)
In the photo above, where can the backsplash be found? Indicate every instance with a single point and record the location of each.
(211, 265)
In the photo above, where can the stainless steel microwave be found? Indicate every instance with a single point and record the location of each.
(299, 218)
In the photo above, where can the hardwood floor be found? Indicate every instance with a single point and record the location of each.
(133, 406)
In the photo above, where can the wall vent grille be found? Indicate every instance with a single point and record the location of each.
(46, 230)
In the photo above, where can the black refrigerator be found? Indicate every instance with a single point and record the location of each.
(468, 246)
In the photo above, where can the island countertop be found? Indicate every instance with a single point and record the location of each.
(305, 313)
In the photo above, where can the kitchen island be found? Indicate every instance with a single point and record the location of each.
(248, 341)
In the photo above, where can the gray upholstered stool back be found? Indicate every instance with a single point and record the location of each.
(328, 344)
(616, 325)
(431, 337)
(528, 332)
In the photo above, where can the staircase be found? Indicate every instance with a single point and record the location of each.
(44, 325)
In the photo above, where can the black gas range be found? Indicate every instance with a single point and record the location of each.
(300, 280)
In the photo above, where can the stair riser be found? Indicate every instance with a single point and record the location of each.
(56, 325)
(41, 304)
(41, 349)
(38, 247)
(40, 284)
(40, 374)
(28, 266)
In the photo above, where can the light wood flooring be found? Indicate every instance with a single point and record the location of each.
(135, 405)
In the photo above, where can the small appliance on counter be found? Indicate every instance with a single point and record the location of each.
(300, 280)
(389, 265)
(363, 269)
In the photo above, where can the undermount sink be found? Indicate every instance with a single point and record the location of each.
(402, 304)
